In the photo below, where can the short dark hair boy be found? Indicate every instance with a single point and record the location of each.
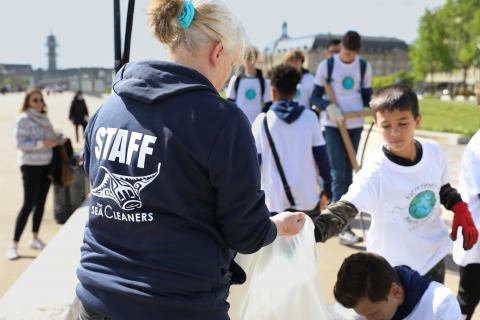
(284, 80)
(352, 41)
(395, 97)
(367, 283)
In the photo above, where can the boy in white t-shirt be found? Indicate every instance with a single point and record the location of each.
(296, 58)
(368, 284)
(402, 188)
(299, 144)
(249, 89)
(469, 261)
(349, 77)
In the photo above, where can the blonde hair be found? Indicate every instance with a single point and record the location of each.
(213, 21)
(294, 55)
(251, 54)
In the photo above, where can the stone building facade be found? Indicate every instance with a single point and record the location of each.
(387, 55)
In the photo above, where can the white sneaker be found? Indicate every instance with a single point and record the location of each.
(347, 237)
(11, 253)
(37, 244)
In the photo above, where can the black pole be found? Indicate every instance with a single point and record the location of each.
(117, 35)
(128, 32)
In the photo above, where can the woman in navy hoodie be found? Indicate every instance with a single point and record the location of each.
(175, 178)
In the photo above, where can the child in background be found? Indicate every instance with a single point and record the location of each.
(296, 58)
(249, 89)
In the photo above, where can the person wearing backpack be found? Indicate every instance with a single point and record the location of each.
(249, 89)
(296, 58)
(349, 75)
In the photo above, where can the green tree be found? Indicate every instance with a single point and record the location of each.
(448, 39)
(430, 52)
(461, 19)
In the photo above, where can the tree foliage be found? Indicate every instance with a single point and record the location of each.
(448, 39)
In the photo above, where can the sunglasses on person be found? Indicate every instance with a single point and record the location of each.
(35, 100)
(333, 51)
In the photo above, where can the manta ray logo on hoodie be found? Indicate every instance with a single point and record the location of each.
(124, 190)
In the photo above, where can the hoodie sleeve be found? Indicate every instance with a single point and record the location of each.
(242, 216)
(367, 90)
(318, 97)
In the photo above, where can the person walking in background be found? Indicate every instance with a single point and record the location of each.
(78, 113)
(350, 77)
(249, 89)
(35, 139)
(175, 178)
(334, 46)
(296, 58)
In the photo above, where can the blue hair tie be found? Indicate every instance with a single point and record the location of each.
(185, 17)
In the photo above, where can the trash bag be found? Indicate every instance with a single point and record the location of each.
(284, 280)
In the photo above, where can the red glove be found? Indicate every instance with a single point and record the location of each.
(463, 218)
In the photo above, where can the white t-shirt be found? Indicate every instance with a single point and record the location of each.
(469, 187)
(345, 83)
(437, 303)
(294, 143)
(407, 226)
(304, 90)
(248, 96)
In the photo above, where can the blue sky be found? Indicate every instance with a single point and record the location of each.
(84, 29)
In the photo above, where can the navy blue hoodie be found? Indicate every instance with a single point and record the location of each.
(175, 192)
(414, 286)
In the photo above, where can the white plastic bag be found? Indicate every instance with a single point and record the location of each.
(284, 280)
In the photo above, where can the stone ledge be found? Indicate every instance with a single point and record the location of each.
(46, 289)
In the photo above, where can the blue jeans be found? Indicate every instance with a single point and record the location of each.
(340, 167)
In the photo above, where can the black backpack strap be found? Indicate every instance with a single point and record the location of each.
(329, 69)
(286, 187)
(260, 77)
(363, 70)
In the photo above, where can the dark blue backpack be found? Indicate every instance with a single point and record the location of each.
(363, 69)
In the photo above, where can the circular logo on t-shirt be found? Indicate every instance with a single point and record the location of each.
(348, 82)
(422, 204)
(298, 93)
(250, 94)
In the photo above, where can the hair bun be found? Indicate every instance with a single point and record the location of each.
(163, 19)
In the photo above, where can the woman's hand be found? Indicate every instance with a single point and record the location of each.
(289, 223)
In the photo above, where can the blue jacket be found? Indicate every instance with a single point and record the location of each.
(175, 193)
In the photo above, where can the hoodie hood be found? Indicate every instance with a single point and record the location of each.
(288, 111)
(414, 286)
(150, 81)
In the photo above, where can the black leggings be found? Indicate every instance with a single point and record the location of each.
(35, 189)
(83, 124)
(469, 288)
